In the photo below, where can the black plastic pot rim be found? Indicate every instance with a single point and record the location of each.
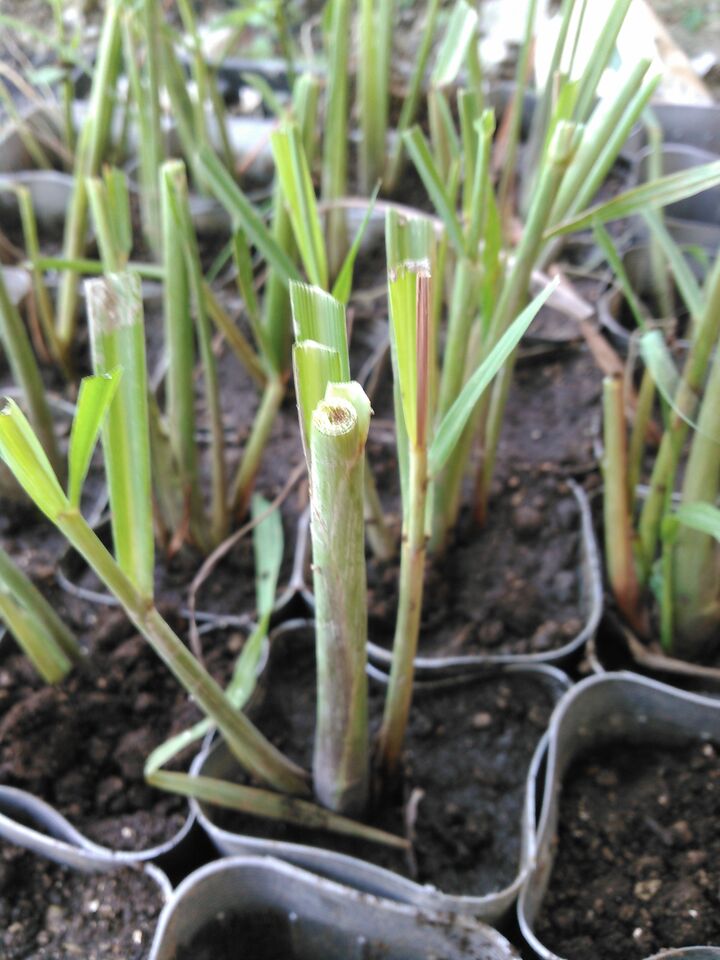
(365, 876)
(611, 698)
(331, 921)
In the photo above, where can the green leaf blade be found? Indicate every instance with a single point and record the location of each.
(24, 455)
(657, 193)
(453, 424)
(94, 398)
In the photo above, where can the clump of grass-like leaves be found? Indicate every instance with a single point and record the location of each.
(657, 544)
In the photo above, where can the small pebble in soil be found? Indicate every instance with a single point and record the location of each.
(638, 862)
(481, 721)
(527, 521)
(52, 912)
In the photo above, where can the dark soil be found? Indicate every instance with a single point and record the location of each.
(81, 745)
(465, 763)
(638, 854)
(512, 588)
(514, 585)
(49, 912)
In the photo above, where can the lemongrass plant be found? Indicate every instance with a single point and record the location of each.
(284, 788)
(334, 417)
(660, 544)
(576, 142)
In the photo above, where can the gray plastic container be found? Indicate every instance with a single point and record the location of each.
(599, 709)
(215, 760)
(35, 825)
(318, 918)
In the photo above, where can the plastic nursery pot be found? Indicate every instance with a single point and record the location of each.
(31, 823)
(216, 761)
(50, 190)
(600, 709)
(36, 828)
(613, 312)
(695, 219)
(291, 913)
(34, 825)
(613, 648)
(689, 953)
(591, 605)
(692, 124)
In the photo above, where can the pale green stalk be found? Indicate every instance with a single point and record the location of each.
(469, 110)
(407, 624)
(148, 271)
(45, 639)
(638, 434)
(115, 317)
(463, 311)
(334, 164)
(379, 536)
(218, 497)
(602, 125)
(263, 422)
(599, 60)
(516, 106)
(443, 136)
(36, 643)
(618, 521)
(145, 86)
(696, 560)
(684, 406)
(664, 292)
(207, 93)
(373, 80)
(413, 373)
(42, 295)
(234, 336)
(92, 145)
(68, 93)
(543, 111)
(180, 347)
(24, 130)
(603, 151)
(110, 255)
(276, 304)
(25, 371)
(337, 465)
(514, 293)
(396, 159)
(174, 79)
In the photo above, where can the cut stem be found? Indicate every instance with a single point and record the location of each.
(618, 522)
(337, 466)
(118, 340)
